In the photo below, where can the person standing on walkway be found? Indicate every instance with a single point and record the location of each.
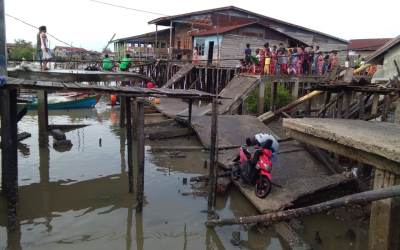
(247, 54)
(45, 51)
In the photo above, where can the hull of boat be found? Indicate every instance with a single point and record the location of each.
(84, 103)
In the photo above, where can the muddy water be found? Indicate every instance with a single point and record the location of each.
(79, 199)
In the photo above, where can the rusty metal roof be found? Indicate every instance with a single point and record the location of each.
(367, 44)
(377, 56)
(165, 21)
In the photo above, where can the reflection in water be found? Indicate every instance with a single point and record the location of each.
(79, 199)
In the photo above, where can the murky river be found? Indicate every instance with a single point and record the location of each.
(79, 199)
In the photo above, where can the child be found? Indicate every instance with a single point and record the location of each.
(320, 64)
(274, 60)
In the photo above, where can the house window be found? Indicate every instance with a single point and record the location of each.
(201, 44)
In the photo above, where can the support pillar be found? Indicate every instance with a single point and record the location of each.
(375, 104)
(261, 97)
(129, 131)
(190, 112)
(138, 151)
(213, 156)
(295, 90)
(122, 110)
(274, 95)
(9, 156)
(384, 230)
(347, 103)
(361, 115)
(43, 117)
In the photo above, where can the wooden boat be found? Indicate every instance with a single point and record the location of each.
(68, 101)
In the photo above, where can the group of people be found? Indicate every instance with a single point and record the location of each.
(124, 65)
(278, 60)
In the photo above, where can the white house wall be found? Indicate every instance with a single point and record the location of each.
(388, 70)
(217, 45)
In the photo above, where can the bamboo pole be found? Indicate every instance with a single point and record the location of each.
(359, 198)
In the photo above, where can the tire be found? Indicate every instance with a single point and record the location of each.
(235, 173)
(263, 187)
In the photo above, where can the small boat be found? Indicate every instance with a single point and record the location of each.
(68, 101)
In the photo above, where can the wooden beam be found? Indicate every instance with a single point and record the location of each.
(350, 152)
(138, 152)
(9, 156)
(43, 117)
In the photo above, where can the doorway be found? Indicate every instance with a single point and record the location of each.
(210, 52)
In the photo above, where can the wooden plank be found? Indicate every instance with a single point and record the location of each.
(261, 97)
(182, 73)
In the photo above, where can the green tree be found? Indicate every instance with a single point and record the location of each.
(22, 49)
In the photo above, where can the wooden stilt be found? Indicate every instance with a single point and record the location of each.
(295, 90)
(213, 164)
(128, 110)
(138, 151)
(347, 103)
(339, 107)
(327, 99)
(122, 110)
(397, 112)
(386, 106)
(375, 104)
(190, 112)
(384, 231)
(43, 117)
(261, 97)
(9, 157)
(308, 104)
(361, 103)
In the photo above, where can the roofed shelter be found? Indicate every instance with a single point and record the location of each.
(224, 45)
(388, 56)
(182, 26)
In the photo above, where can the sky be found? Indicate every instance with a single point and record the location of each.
(87, 24)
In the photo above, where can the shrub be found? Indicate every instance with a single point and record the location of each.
(284, 98)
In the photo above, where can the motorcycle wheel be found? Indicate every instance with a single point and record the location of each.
(235, 172)
(263, 187)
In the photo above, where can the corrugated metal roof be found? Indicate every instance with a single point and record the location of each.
(222, 30)
(167, 19)
(379, 53)
(367, 44)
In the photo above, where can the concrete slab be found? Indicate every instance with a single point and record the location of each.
(299, 173)
(377, 138)
(232, 129)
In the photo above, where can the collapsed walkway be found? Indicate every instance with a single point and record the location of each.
(297, 171)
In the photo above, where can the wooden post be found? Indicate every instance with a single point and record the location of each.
(122, 112)
(347, 103)
(339, 107)
(295, 90)
(375, 104)
(9, 156)
(386, 107)
(213, 164)
(384, 231)
(138, 152)
(170, 40)
(362, 106)
(308, 104)
(397, 112)
(261, 97)
(43, 117)
(274, 95)
(128, 109)
(190, 112)
(327, 99)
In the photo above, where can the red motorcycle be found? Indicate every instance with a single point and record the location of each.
(264, 166)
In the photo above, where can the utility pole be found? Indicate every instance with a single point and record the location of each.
(3, 49)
